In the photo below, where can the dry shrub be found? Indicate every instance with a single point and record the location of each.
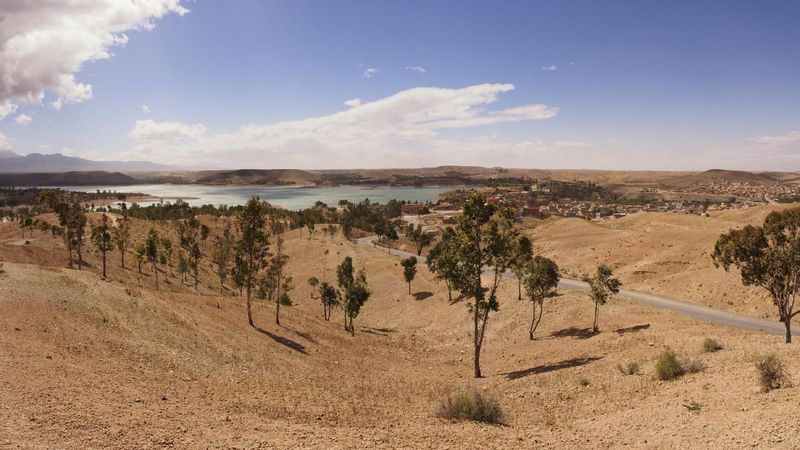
(772, 373)
(693, 366)
(711, 345)
(630, 368)
(667, 366)
(469, 404)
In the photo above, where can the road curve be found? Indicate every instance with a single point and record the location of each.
(694, 310)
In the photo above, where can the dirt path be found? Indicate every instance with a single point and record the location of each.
(693, 310)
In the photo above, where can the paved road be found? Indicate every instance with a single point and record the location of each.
(694, 310)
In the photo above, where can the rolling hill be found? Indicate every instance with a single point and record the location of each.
(57, 162)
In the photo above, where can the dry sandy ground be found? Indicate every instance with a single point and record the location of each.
(664, 253)
(86, 363)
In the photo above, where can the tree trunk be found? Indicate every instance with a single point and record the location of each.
(594, 325)
(249, 297)
(409, 288)
(104, 264)
(449, 291)
(155, 273)
(519, 288)
(476, 344)
(122, 258)
(352, 328)
(278, 310)
(533, 320)
(788, 324)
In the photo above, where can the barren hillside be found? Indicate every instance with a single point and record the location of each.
(92, 363)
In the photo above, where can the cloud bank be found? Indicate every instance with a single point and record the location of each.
(43, 44)
(411, 127)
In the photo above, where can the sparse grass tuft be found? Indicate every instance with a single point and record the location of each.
(667, 366)
(711, 345)
(772, 373)
(631, 368)
(694, 365)
(583, 381)
(469, 404)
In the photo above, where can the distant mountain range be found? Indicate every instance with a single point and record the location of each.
(11, 162)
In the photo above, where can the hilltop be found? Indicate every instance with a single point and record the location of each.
(274, 177)
(99, 178)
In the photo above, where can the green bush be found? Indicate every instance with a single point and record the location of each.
(667, 366)
(469, 404)
(772, 373)
(630, 368)
(711, 345)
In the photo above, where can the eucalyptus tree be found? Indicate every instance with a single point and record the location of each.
(329, 299)
(540, 278)
(251, 248)
(122, 237)
(443, 263)
(484, 237)
(522, 257)
(101, 238)
(409, 270)
(419, 237)
(602, 285)
(767, 256)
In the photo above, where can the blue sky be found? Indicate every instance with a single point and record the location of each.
(612, 85)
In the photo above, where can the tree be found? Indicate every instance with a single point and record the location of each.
(442, 261)
(601, 287)
(151, 251)
(221, 254)
(165, 251)
(345, 280)
(122, 236)
(251, 248)
(139, 256)
(767, 256)
(409, 270)
(522, 257)
(313, 282)
(190, 232)
(275, 274)
(101, 238)
(76, 229)
(540, 278)
(420, 238)
(183, 266)
(327, 295)
(484, 236)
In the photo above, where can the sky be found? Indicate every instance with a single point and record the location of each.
(643, 85)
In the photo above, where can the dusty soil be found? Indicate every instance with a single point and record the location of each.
(88, 363)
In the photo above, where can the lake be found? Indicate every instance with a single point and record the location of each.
(288, 197)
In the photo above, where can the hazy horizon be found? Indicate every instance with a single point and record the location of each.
(674, 86)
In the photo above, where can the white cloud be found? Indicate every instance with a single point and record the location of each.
(410, 127)
(371, 72)
(151, 131)
(57, 104)
(44, 44)
(573, 144)
(5, 144)
(7, 108)
(23, 119)
(145, 109)
(418, 69)
(550, 68)
(353, 102)
(791, 137)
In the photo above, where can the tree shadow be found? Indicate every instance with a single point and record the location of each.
(579, 333)
(378, 331)
(633, 329)
(422, 295)
(566, 364)
(294, 345)
(305, 335)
